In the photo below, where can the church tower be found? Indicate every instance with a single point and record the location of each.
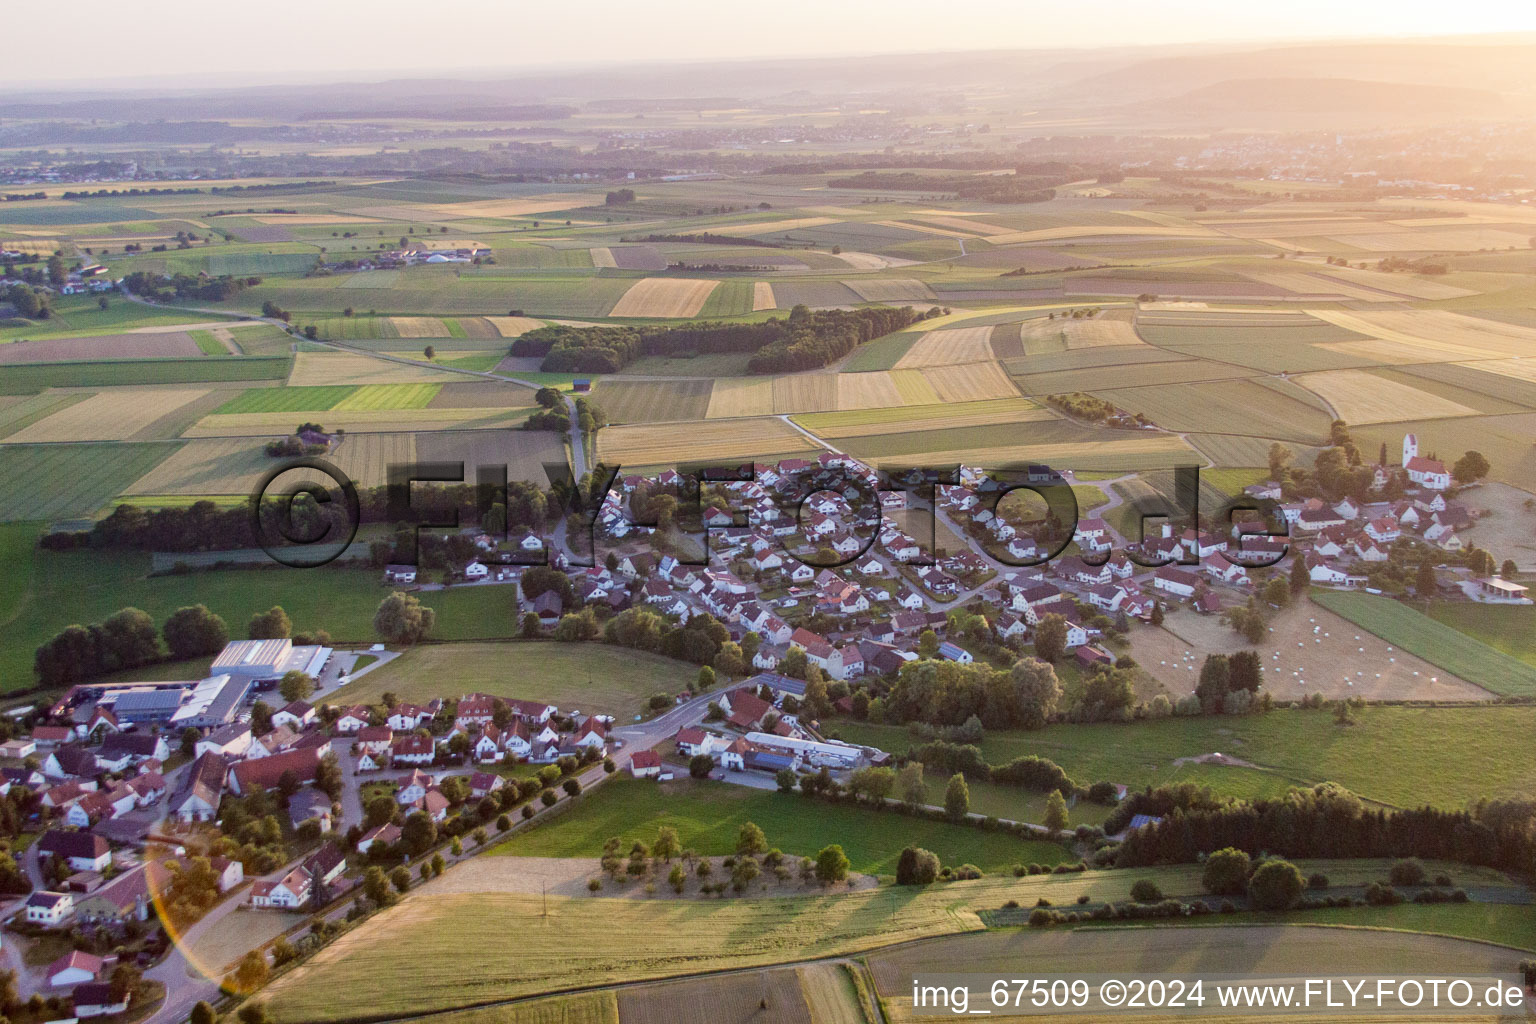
(1410, 448)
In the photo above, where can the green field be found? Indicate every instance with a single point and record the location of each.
(69, 481)
(707, 816)
(1436, 643)
(1507, 628)
(208, 344)
(1400, 756)
(311, 399)
(79, 316)
(28, 378)
(882, 353)
(595, 678)
(389, 396)
(352, 328)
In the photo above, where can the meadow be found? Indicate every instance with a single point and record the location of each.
(29, 378)
(592, 677)
(707, 816)
(1439, 644)
(70, 481)
(1398, 756)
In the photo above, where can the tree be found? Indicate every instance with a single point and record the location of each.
(403, 619)
(419, 833)
(1277, 592)
(750, 839)
(376, 886)
(1146, 891)
(917, 866)
(202, 1013)
(705, 681)
(128, 638)
(957, 798)
(1276, 885)
(1036, 691)
(910, 786)
(272, 624)
(786, 780)
(1409, 871)
(1424, 579)
(1056, 811)
(928, 644)
(1279, 461)
(1051, 638)
(1509, 568)
(1214, 682)
(189, 737)
(831, 864)
(1470, 467)
(430, 353)
(194, 631)
(667, 844)
(1156, 618)
(815, 703)
(549, 398)
(531, 626)
(1226, 872)
(700, 765)
(1301, 579)
(295, 685)
(400, 878)
(251, 972)
(261, 718)
(252, 1012)
(677, 878)
(380, 810)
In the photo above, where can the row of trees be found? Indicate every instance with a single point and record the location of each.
(187, 286)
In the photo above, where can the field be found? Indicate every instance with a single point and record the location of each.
(290, 399)
(1507, 628)
(320, 368)
(114, 415)
(1454, 335)
(707, 816)
(653, 401)
(1441, 645)
(596, 678)
(949, 348)
(728, 440)
(970, 383)
(389, 396)
(664, 297)
(859, 422)
(1361, 397)
(440, 952)
(235, 465)
(359, 421)
(419, 327)
(1398, 756)
(29, 378)
(1228, 406)
(161, 345)
(68, 481)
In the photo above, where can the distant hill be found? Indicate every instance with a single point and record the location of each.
(1335, 100)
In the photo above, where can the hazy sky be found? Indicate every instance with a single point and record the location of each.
(97, 40)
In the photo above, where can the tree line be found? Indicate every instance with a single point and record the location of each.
(187, 286)
(802, 341)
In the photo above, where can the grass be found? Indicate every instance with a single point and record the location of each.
(882, 353)
(389, 396)
(208, 344)
(69, 481)
(1456, 652)
(28, 378)
(1400, 756)
(1507, 628)
(594, 677)
(707, 816)
(438, 952)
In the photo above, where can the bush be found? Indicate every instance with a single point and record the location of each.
(1041, 918)
(1226, 872)
(1146, 891)
(1444, 881)
(917, 866)
(1083, 898)
(1379, 895)
(966, 872)
(1407, 872)
(1317, 881)
(1275, 885)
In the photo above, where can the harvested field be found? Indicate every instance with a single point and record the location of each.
(772, 227)
(949, 348)
(646, 401)
(359, 421)
(1411, 285)
(1518, 369)
(814, 293)
(914, 387)
(1457, 335)
(859, 423)
(1101, 332)
(136, 345)
(602, 257)
(419, 326)
(758, 997)
(512, 326)
(866, 391)
(1111, 453)
(17, 411)
(741, 396)
(1465, 240)
(70, 481)
(1358, 396)
(1318, 286)
(523, 452)
(1106, 230)
(235, 465)
(762, 296)
(664, 297)
(1134, 375)
(356, 328)
(476, 395)
(319, 368)
(113, 415)
(970, 383)
(479, 328)
(894, 289)
(805, 392)
(488, 209)
(1233, 450)
(1471, 377)
(662, 445)
(1380, 350)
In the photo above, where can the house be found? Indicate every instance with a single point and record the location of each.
(1208, 603)
(290, 892)
(1106, 596)
(483, 784)
(744, 709)
(399, 573)
(405, 717)
(280, 739)
(46, 737)
(49, 909)
(954, 652)
(18, 749)
(310, 805)
(268, 772)
(412, 749)
(548, 607)
(591, 734)
(384, 835)
(1009, 626)
(413, 787)
(1091, 656)
(84, 851)
(1179, 582)
(198, 797)
(148, 787)
(435, 804)
(375, 739)
(70, 760)
(95, 999)
(297, 715)
(326, 864)
(231, 872)
(231, 740)
(73, 968)
(645, 764)
(1077, 636)
(476, 570)
(352, 720)
(1321, 572)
